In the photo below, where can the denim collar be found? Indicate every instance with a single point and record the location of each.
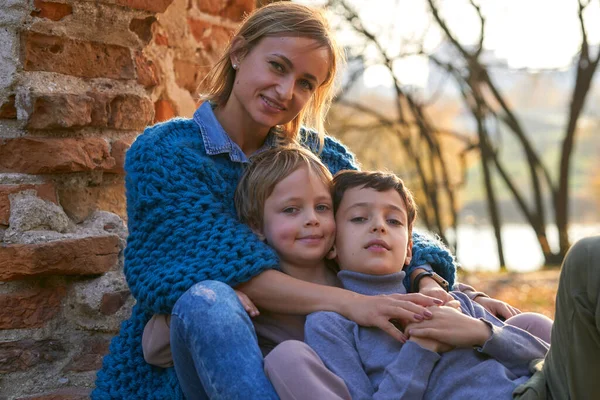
(217, 141)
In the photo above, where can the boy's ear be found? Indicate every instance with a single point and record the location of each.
(408, 252)
(332, 254)
(238, 50)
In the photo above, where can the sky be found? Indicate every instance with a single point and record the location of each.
(532, 34)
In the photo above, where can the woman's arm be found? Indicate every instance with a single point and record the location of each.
(278, 292)
(182, 224)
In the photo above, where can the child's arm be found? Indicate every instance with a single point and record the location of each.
(476, 327)
(332, 337)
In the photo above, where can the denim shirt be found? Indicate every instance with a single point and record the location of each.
(217, 141)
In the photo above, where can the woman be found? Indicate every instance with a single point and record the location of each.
(276, 75)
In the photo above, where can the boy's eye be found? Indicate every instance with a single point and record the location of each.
(323, 207)
(290, 210)
(393, 221)
(358, 219)
(277, 66)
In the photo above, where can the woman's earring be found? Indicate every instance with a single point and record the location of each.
(235, 66)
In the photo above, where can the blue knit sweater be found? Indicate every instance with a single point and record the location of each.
(183, 230)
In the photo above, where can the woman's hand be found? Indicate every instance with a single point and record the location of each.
(378, 311)
(452, 327)
(497, 308)
(247, 304)
(429, 344)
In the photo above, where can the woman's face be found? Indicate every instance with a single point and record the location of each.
(276, 79)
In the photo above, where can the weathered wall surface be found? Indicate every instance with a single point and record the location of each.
(79, 80)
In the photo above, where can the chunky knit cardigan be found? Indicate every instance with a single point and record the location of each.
(183, 230)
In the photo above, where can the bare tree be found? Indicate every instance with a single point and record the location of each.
(492, 114)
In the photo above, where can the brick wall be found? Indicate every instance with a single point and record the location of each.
(79, 80)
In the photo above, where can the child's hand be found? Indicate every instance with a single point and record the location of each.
(247, 304)
(378, 311)
(497, 308)
(450, 326)
(429, 344)
(430, 288)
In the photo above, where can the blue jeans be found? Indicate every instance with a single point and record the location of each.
(214, 346)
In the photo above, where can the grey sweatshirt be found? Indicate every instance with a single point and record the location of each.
(375, 366)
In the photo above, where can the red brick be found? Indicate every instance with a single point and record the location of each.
(85, 256)
(130, 112)
(212, 37)
(112, 302)
(80, 202)
(142, 28)
(146, 71)
(163, 110)
(51, 111)
(31, 308)
(161, 40)
(74, 57)
(50, 10)
(157, 6)
(8, 110)
(45, 191)
(34, 155)
(25, 354)
(91, 357)
(118, 150)
(189, 75)
(230, 9)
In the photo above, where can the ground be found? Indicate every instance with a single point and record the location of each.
(530, 291)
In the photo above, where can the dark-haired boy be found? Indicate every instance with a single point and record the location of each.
(454, 355)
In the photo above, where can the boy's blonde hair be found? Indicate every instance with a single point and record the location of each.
(266, 170)
(281, 19)
(377, 180)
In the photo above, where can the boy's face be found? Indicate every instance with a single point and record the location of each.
(372, 232)
(298, 218)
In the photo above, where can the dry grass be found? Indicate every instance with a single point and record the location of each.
(530, 291)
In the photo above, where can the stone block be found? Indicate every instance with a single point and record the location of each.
(25, 354)
(61, 394)
(101, 304)
(188, 75)
(36, 155)
(8, 109)
(30, 308)
(50, 10)
(82, 256)
(163, 110)
(45, 191)
(73, 57)
(156, 6)
(29, 213)
(51, 111)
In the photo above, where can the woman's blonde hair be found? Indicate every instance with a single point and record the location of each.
(266, 170)
(281, 19)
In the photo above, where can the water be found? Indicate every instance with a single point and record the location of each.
(477, 246)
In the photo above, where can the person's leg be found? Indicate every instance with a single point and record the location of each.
(214, 346)
(537, 324)
(572, 364)
(297, 373)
